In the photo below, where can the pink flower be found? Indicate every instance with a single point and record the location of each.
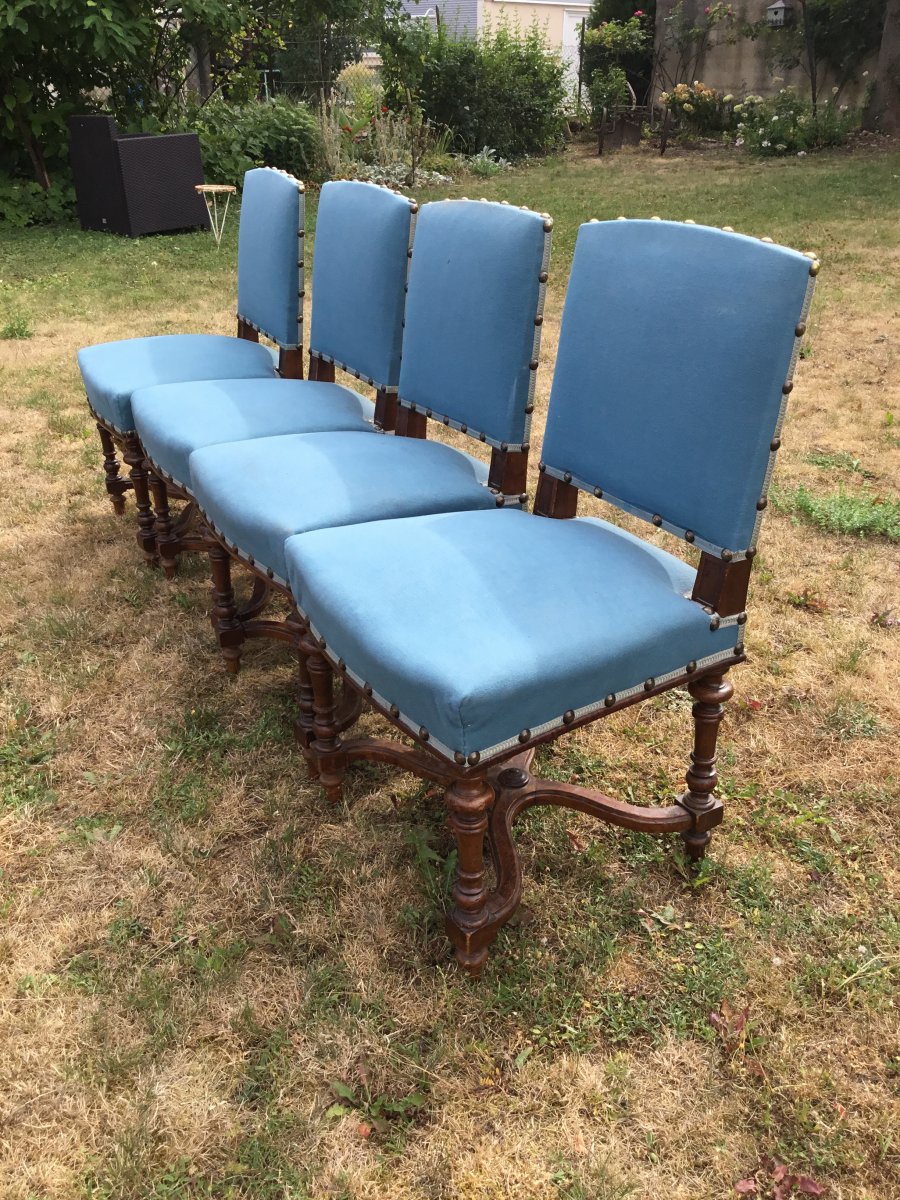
(639, 12)
(706, 12)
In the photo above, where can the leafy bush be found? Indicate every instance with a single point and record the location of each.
(699, 108)
(785, 124)
(608, 89)
(627, 45)
(272, 133)
(502, 89)
(24, 203)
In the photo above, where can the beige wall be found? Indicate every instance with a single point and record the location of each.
(548, 16)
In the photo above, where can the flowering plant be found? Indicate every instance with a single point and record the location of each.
(785, 124)
(700, 108)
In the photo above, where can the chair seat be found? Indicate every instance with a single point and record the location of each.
(259, 493)
(480, 625)
(112, 371)
(174, 420)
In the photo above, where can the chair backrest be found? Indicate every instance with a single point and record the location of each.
(473, 317)
(270, 256)
(364, 236)
(676, 352)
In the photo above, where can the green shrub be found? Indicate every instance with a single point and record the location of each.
(785, 124)
(24, 203)
(271, 133)
(502, 89)
(608, 89)
(625, 44)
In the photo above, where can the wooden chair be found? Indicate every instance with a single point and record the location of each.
(269, 302)
(470, 352)
(363, 242)
(481, 635)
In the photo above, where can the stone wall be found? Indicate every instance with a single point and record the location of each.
(742, 67)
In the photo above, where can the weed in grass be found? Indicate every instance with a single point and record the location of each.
(594, 1181)
(85, 972)
(381, 1113)
(838, 460)
(808, 601)
(849, 719)
(96, 829)
(17, 327)
(186, 602)
(186, 800)
(25, 772)
(848, 661)
(862, 513)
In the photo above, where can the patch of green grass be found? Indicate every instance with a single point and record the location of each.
(186, 800)
(17, 327)
(25, 772)
(860, 513)
(852, 719)
(202, 736)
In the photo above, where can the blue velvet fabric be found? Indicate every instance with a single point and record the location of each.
(359, 278)
(113, 371)
(517, 618)
(175, 420)
(269, 250)
(260, 493)
(676, 341)
(470, 314)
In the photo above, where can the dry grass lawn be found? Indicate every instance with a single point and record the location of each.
(212, 986)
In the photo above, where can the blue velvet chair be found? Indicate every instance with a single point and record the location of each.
(470, 352)
(363, 240)
(269, 302)
(483, 634)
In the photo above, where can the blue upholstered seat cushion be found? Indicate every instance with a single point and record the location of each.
(259, 493)
(478, 625)
(112, 371)
(174, 420)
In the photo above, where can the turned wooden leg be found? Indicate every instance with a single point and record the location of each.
(304, 725)
(470, 926)
(116, 487)
(710, 693)
(224, 618)
(140, 481)
(326, 746)
(166, 540)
